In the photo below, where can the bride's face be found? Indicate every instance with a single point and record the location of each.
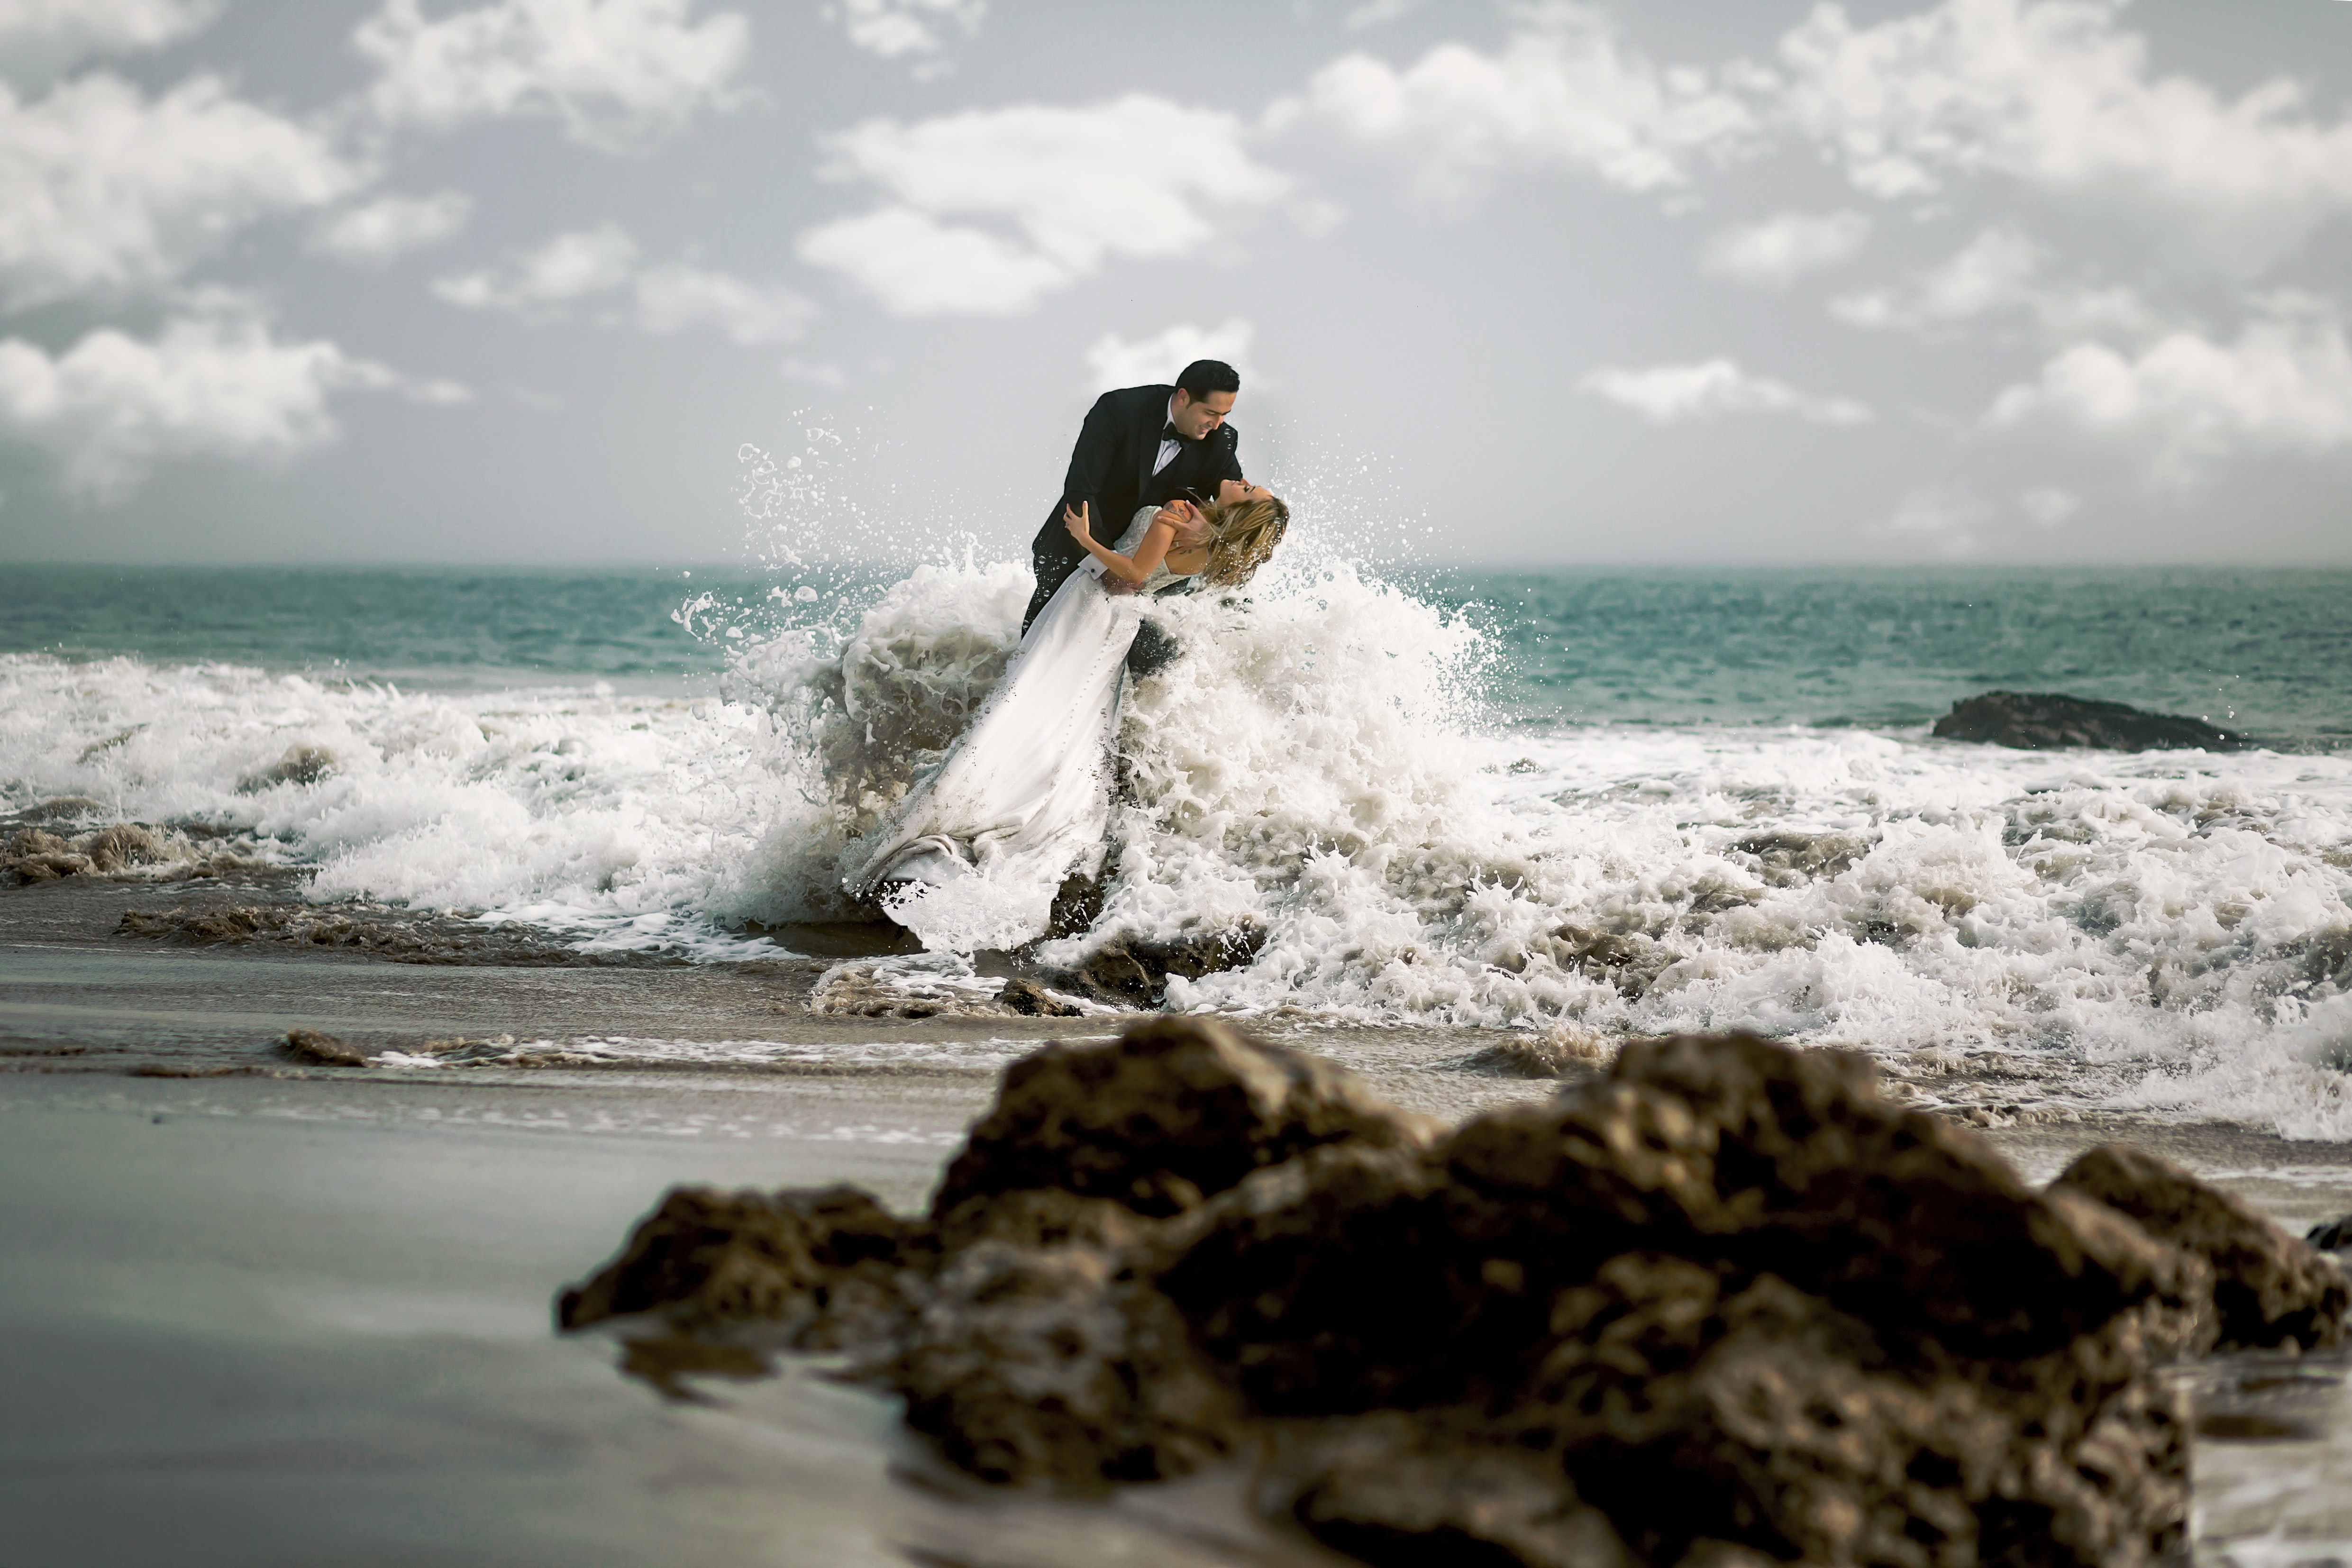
(1229, 492)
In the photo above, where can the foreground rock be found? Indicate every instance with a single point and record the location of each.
(1722, 1304)
(2049, 721)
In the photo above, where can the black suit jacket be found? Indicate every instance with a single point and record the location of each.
(1110, 468)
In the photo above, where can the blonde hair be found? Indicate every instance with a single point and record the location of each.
(1245, 533)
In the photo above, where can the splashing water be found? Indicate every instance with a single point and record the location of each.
(2167, 932)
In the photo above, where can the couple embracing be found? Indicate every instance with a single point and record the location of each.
(978, 847)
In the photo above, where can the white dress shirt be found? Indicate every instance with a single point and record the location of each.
(1169, 445)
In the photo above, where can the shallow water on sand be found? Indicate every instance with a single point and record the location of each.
(561, 853)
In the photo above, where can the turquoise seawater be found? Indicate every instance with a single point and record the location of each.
(2270, 652)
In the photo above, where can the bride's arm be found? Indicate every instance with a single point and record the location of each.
(1128, 570)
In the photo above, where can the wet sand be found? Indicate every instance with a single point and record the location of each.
(254, 1313)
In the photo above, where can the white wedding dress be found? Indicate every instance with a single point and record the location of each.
(982, 844)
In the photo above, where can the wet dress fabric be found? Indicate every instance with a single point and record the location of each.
(981, 845)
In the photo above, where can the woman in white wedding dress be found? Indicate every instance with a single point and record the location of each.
(978, 847)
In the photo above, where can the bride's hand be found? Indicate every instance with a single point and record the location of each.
(1191, 530)
(1075, 521)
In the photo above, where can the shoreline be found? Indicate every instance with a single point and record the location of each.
(254, 1312)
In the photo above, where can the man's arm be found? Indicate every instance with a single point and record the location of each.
(1228, 465)
(1091, 458)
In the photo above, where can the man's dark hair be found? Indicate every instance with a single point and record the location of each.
(1203, 376)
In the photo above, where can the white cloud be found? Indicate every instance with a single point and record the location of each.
(1999, 271)
(2055, 94)
(393, 226)
(215, 385)
(1783, 249)
(1933, 509)
(567, 268)
(1947, 518)
(1671, 394)
(1113, 362)
(615, 72)
(1134, 177)
(541, 284)
(676, 297)
(910, 29)
(39, 38)
(918, 266)
(1564, 91)
(2049, 506)
(103, 191)
(2284, 386)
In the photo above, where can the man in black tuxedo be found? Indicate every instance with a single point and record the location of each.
(1140, 445)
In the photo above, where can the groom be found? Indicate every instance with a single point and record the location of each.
(1140, 445)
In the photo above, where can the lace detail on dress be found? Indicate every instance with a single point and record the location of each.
(1136, 529)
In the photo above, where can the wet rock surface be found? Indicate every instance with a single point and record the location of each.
(1718, 1304)
(315, 1050)
(2049, 721)
(1132, 972)
(399, 935)
(30, 854)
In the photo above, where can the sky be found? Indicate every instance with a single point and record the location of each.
(563, 282)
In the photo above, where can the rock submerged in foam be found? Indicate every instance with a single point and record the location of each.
(2049, 721)
(1721, 1304)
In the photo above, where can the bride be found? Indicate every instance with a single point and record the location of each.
(980, 846)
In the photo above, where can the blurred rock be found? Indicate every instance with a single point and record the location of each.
(1721, 1304)
(2049, 721)
(1175, 1109)
(2268, 1288)
(826, 1265)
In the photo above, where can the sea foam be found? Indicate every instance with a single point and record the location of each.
(2168, 932)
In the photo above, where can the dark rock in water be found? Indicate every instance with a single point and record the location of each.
(63, 805)
(1057, 1362)
(2049, 721)
(1722, 1307)
(815, 1263)
(1077, 904)
(1175, 1110)
(1134, 972)
(299, 765)
(2268, 1288)
(1031, 1000)
(1792, 859)
(1395, 1491)
(2335, 1236)
(1628, 963)
(319, 1050)
(34, 855)
(122, 845)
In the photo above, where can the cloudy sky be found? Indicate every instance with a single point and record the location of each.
(1681, 281)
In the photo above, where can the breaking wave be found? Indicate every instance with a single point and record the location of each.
(2170, 932)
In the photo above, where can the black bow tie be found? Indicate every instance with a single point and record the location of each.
(1168, 432)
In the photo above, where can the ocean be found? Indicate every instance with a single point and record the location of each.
(1431, 791)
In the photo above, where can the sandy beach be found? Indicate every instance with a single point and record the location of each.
(258, 1313)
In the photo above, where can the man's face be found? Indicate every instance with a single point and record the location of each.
(1195, 419)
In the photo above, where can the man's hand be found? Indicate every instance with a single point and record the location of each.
(1192, 528)
(1075, 521)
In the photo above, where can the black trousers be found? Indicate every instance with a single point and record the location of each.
(1154, 649)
